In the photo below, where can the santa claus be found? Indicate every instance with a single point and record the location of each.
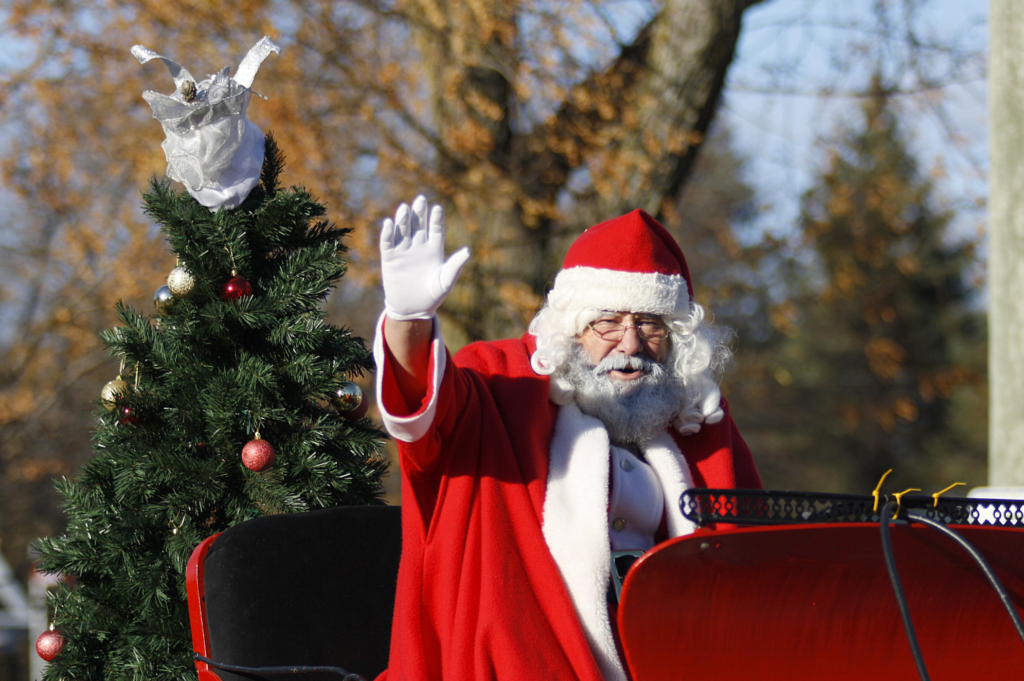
(526, 462)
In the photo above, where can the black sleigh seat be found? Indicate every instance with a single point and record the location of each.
(310, 589)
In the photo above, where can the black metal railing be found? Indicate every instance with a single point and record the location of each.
(759, 507)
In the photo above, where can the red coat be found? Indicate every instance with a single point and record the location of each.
(479, 594)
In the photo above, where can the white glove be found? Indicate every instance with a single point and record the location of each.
(416, 277)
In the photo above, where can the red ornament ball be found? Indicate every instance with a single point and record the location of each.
(258, 455)
(49, 644)
(128, 417)
(235, 288)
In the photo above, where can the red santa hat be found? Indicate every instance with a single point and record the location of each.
(629, 264)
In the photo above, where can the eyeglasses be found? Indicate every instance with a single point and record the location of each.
(648, 328)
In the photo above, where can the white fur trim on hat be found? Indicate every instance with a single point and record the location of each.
(603, 289)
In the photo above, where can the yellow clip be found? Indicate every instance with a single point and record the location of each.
(941, 492)
(897, 497)
(879, 487)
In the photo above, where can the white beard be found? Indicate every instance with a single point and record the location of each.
(634, 411)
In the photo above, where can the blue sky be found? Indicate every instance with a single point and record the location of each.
(798, 61)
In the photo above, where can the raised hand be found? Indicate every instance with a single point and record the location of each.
(416, 276)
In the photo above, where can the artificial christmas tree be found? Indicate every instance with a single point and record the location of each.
(202, 376)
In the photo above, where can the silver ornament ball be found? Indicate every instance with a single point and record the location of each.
(348, 397)
(164, 301)
(180, 282)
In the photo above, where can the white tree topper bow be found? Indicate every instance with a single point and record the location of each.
(211, 147)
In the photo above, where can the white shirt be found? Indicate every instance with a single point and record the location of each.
(636, 502)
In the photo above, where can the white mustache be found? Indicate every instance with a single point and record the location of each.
(620, 362)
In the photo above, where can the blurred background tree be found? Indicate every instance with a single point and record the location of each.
(876, 357)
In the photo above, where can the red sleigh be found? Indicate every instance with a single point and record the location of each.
(798, 588)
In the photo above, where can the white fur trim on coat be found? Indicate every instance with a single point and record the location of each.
(575, 522)
(674, 473)
(410, 428)
(600, 289)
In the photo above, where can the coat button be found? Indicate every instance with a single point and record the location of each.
(626, 465)
(619, 524)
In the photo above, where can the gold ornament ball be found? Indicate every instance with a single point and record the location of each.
(188, 91)
(112, 391)
(164, 301)
(348, 397)
(180, 282)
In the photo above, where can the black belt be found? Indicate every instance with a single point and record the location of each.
(621, 562)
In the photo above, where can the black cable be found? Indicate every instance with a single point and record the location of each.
(982, 563)
(897, 587)
(279, 670)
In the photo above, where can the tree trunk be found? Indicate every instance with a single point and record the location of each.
(1006, 244)
(636, 127)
